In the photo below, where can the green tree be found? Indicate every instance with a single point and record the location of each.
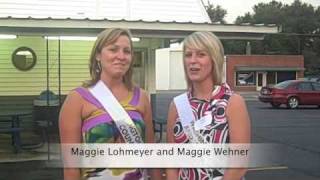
(234, 46)
(264, 13)
(247, 18)
(317, 16)
(216, 13)
(299, 18)
(268, 13)
(300, 23)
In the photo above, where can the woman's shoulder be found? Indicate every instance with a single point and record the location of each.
(143, 94)
(235, 99)
(73, 100)
(79, 90)
(236, 103)
(76, 94)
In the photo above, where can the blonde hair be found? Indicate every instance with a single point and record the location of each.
(210, 43)
(106, 38)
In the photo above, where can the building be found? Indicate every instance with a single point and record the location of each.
(251, 72)
(241, 72)
(50, 41)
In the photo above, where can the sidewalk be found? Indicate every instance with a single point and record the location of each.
(250, 95)
(31, 164)
(28, 153)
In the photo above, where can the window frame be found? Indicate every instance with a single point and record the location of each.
(16, 65)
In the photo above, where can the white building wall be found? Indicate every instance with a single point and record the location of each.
(177, 78)
(170, 72)
(150, 79)
(146, 10)
(162, 69)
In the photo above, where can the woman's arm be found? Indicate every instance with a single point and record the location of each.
(239, 130)
(147, 116)
(70, 128)
(172, 174)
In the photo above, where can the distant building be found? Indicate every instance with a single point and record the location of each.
(241, 72)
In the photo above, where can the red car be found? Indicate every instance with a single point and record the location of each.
(292, 93)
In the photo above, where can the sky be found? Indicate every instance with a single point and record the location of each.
(237, 8)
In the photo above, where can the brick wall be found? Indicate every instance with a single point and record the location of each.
(295, 61)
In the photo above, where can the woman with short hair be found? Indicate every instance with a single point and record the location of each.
(223, 113)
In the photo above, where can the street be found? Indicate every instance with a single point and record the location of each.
(298, 130)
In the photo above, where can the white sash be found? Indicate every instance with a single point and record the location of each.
(121, 118)
(187, 118)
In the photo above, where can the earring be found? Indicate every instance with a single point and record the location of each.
(98, 68)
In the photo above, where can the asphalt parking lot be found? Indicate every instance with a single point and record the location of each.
(297, 129)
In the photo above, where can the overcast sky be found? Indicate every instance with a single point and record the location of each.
(237, 8)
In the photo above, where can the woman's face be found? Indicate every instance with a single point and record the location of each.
(198, 65)
(116, 57)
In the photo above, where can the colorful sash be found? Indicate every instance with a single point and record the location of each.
(121, 118)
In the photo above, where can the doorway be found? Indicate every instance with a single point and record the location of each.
(261, 80)
(138, 75)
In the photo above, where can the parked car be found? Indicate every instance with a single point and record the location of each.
(292, 93)
(313, 78)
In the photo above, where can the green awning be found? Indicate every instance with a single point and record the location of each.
(268, 68)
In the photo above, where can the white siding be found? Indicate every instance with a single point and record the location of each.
(111, 10)
(48, 8)
(147, 10)
(168, 10)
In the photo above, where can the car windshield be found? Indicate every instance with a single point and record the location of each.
(283, 85)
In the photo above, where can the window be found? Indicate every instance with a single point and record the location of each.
(285, 75)
(245, 78)
(305, 86)
(24, 58)
(316, 86)
(271, 78)
(137, 59)
(283, 85)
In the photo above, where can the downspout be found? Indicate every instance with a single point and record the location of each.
(47, 48)
(59, 71)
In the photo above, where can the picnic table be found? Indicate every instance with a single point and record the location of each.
(12, 119)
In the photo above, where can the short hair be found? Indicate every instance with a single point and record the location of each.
(210, 43)
(105, 38)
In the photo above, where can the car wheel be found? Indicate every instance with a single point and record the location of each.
(293, 102)
(275, 105)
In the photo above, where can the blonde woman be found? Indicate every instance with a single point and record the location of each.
(211, 101)
(84, 118)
